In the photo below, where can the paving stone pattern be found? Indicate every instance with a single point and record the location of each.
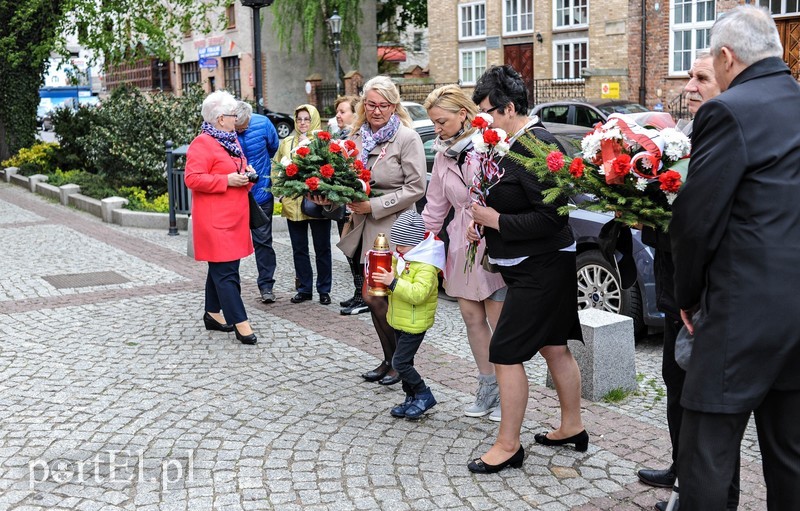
(116, 397)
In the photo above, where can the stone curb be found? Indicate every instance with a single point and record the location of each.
(110, 210)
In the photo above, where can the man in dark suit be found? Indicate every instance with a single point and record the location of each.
(701, 87)
(735, 243)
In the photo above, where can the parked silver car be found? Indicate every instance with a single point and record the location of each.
(584, 113)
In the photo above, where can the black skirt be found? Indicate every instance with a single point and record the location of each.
(541, 308)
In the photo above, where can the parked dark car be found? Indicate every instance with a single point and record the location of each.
(284, 124)
(44, 119)
(584, 113)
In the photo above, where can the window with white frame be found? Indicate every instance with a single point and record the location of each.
(472, 21)
(570, 58)
(690, 29)
(781, 6)
(571, 13)
(472, 65)
(517, 16)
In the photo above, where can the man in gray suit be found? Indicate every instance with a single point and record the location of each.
(735, 242)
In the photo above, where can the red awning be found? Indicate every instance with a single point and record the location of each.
(391, 53)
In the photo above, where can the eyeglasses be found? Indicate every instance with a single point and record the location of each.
(303, 119)
(481, 110)
(369, 105)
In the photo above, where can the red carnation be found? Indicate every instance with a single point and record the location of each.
(480, 123)
(312, 183)
(291, 170)
(555, 161)
(576, 168)
(616, 172)
(326, 170)
(349, 145)
(670, 181)
(358, 165)
(365, 175)
(324, 135)
(335, 148)
(491, 137)
(303, 151)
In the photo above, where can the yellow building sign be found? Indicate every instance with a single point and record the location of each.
(609, 90)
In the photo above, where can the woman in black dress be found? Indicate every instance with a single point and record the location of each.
(534, 249)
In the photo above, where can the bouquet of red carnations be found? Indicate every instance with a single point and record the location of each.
(323, 167)
(631, 170)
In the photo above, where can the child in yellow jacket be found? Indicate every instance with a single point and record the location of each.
(414, 286)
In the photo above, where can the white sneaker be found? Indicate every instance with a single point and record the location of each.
(487, 398)
(495, 415)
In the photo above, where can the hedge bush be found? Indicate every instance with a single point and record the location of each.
(40, 158)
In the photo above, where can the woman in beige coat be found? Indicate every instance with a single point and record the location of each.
(393, 152)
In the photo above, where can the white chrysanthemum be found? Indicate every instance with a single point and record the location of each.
(502, 147)
(612, 133)
(486, 117)
(478, 143)
(286, 161)
(676, 144)
(303, 143)
(590, 145)
(641, 184)
(670, 197)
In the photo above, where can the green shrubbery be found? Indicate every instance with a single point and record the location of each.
(118, 147)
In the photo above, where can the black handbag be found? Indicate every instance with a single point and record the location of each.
(257, 216)
(311, 209)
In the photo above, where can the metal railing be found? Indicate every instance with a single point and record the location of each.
(553, 90)
(180, 197)
(678, 108)
(326, 97)
(417, 92)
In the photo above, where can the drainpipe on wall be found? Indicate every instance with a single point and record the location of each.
(643, 70)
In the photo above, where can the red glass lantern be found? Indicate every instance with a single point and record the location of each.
(379, 257)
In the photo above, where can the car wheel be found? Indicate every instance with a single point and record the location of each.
(283, 129)
(599, 288)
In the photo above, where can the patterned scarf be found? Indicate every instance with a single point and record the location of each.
(228, 139)
(369, 139)
(454, 146)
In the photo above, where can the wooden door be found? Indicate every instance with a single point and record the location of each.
(520, 57)
(789, 30)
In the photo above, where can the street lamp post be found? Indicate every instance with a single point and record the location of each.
(160, 76)
(335, 23)
(256, 5)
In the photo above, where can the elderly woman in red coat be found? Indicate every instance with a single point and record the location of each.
(215, 172)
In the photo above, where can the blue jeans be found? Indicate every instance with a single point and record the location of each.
(265, 254)
(223, 291)
(321, 237)
(403, 361)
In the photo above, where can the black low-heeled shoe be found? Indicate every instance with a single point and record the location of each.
(377, 373)
(245, 339)
(581, 440)
(390, 380)
(478, 466)
(213, 324)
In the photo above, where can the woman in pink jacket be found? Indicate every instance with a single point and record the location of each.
(216, 173)
(480, 294)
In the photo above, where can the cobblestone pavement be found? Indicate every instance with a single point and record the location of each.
(114, 396)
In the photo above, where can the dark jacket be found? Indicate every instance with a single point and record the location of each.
(259, 143)
(735, 241)
(528, 226)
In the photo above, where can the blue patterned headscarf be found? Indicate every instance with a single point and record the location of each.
(369, 139)
(228, 139)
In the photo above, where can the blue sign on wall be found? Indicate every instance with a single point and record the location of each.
(210, 51)
(208, 63)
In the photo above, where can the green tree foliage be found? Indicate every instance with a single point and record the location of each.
(309, 16)
(400, 14)
(32, 29)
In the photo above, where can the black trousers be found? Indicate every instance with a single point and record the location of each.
(403, 361)
(710, 447)
(224, 291)
(674, 377)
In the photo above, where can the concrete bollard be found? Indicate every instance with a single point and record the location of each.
(108, 205)
(10, 171)
(608, 359)
(189, 238)
(34, 180)
(66, 191)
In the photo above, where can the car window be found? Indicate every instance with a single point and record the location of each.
(417, 112)
(585, 116)
(554, 114)
(625, 108)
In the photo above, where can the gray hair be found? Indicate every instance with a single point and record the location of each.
(217, 103)
(243, 113)
(749, 32)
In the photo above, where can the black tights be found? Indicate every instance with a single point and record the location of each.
(378, 307)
